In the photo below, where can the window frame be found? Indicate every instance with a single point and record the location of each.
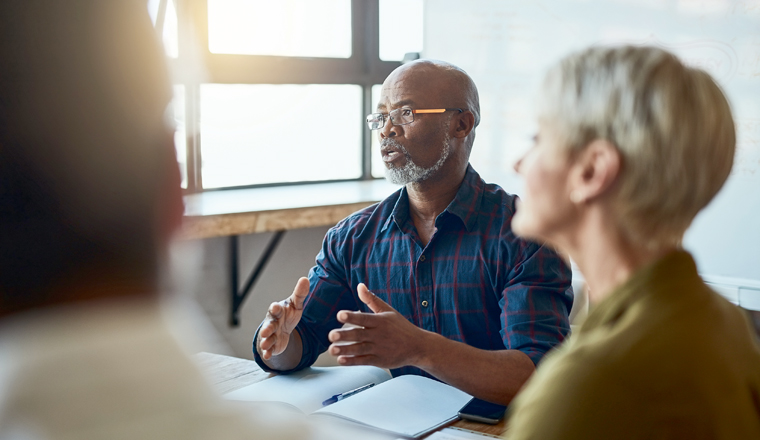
(364, 68)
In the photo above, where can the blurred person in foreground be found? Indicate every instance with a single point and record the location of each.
(631, 145)
(89, 199)
(454, 291)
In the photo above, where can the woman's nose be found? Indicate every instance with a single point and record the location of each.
(517, 165)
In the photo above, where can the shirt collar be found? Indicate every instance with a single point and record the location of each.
(400, 212)
(465, 204)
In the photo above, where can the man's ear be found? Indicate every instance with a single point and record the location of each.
(595, 171)
(464, 123)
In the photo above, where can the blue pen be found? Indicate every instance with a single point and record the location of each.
(341, 396)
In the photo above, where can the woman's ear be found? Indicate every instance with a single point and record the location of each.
(596, 168)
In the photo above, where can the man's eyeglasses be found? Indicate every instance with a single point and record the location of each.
(402, 116)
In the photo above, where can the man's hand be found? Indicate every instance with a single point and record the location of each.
(282, 317)
(384, 338)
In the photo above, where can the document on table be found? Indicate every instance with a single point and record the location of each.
(410, 405)
(459, 434)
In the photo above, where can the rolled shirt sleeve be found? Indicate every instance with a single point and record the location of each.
(536, 303)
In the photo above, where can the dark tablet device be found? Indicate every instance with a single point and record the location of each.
(481, 411)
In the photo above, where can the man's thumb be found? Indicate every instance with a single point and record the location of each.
(300, 292)
(375, 304)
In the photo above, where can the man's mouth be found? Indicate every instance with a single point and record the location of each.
(391, 153)
(390, 156)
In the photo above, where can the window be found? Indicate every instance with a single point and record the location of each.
(294, 28)
(164, 16)
(248, 129)
(400, 28)
(180, 141)
(276, 92)
(378, 168)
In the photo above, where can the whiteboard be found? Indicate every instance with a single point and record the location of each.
(507, 46)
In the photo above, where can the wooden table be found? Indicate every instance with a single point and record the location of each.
(231, 213)
(229, 374)
(224, 213)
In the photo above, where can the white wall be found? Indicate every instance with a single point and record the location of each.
(507, 46)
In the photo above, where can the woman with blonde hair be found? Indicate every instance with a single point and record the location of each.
(631, 145)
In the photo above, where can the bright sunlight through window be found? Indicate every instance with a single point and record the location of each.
(261, 133)
(170, 37)
(400, 28)
(295, 28)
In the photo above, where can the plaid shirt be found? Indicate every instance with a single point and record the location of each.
(475, 282)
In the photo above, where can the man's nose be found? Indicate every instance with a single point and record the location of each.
(389, 130)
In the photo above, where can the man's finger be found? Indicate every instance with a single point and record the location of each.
(267, 343)
(276, 310)
(300, 292)
(375, 304)
(268, 329)
(367, 320)
(358, 360)
(347, 335)
(358, 349)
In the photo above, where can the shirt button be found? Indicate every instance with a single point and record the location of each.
(422, 258)
(424, 303)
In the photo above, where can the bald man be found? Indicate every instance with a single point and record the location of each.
(431, 279)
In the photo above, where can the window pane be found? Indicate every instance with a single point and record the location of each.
(261, 133)
(378, 167)
(180, 135)
(400, 28)
(297, 28)
(153, 9)
(169, 37)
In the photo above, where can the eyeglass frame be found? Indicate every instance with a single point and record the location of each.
(418, 111)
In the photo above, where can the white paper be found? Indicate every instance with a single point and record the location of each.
(458, 434)
(409, 405)
(308, 388)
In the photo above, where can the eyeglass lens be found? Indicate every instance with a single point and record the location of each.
(399, 116)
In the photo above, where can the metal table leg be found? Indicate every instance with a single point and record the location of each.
(239, 296)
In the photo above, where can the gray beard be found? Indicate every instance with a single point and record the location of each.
(410, 172)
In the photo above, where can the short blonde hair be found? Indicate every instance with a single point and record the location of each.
(671, 123)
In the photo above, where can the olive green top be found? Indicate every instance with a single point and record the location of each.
(662, 357)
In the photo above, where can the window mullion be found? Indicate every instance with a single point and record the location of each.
(161, 17)
(366, 45)
(367, 134)
(192, 121)
(191, 15)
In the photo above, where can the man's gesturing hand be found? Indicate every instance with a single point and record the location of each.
(282, 318)
(384, 338)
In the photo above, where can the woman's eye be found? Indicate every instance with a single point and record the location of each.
(406, 112)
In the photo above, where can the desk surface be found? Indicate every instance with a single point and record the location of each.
(229, 374)
(245, 211)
